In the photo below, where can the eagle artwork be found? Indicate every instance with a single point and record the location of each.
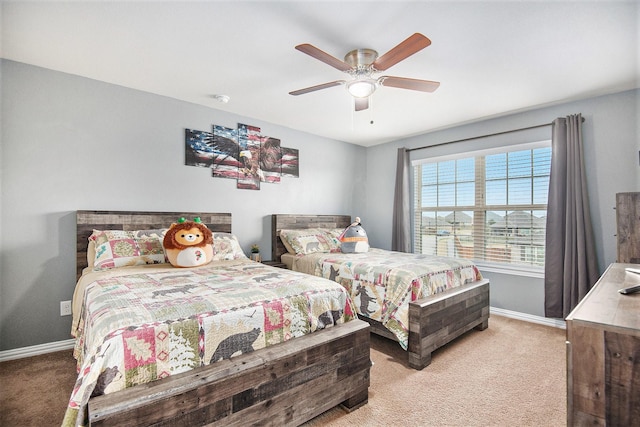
(271, 159)
(225, 149)
(242, 154)
(250, 160)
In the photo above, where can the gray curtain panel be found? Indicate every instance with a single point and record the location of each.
(401, 233)
(570, 257)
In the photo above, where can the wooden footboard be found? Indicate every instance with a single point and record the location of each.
(285, 384)
(438, 319)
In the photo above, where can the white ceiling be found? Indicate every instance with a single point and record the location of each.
(492, 58)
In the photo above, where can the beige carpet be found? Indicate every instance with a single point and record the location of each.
(511, 374)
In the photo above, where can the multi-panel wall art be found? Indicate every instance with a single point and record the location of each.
(242, 154)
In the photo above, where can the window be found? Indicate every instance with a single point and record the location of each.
(488, 206)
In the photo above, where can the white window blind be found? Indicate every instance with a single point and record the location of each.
(487, 206)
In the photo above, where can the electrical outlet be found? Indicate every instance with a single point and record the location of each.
(65, 308)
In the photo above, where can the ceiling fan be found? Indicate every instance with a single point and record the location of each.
(362, 64)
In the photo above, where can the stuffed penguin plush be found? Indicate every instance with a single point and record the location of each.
(354, 239)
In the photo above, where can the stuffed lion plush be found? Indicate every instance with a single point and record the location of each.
(188, 243)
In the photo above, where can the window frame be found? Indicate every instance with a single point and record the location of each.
(478, 209)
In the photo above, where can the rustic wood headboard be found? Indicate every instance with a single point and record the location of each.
(298, 222)
(87, 221)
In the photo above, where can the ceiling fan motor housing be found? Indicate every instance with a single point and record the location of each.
(361, 58)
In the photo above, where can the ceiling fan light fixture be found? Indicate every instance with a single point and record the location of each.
(361, 88)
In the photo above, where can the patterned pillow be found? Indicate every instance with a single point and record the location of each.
(311, 240)
(226, 247)
(333, 235)
(118, 248)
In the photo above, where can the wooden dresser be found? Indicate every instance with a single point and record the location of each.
(603, 353)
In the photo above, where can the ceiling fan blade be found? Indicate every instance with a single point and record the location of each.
(317, 87)
(323, 56)
(402, 51)
(411, 84)
(361, 103)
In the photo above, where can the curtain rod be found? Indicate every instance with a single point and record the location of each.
(481, 136)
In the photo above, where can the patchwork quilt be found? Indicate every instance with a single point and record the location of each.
(382, 283)
(147, 323)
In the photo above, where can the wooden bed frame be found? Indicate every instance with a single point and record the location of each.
(433, 321)
(284, 384)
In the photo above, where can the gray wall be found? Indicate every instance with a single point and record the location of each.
(611, 147)
(72, 143)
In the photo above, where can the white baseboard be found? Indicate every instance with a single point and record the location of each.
(556, 323)
(35, 350)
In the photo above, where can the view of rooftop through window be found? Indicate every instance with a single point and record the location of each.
(490, 207)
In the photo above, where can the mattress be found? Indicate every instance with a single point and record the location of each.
(288, 260)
